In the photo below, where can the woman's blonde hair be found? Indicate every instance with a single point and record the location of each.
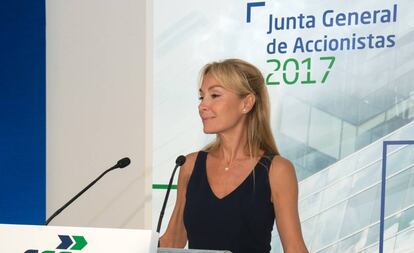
(243, 79)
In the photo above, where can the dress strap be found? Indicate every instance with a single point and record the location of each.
(199, 168)
(266, 160)
(201, 159)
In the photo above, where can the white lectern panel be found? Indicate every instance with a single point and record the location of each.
(40, 239)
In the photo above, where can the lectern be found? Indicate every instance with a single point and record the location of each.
(50, 239)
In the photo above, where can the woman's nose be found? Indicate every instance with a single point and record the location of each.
(203, 106)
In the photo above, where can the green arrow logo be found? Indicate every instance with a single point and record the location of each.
(80, 242)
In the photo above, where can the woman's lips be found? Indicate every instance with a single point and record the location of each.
(206, 118)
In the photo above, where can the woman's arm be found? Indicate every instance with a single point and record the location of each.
(284, 187)
(176, 236)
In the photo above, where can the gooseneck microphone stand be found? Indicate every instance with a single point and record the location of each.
(120, 164)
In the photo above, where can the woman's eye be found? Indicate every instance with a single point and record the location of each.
(212, 96)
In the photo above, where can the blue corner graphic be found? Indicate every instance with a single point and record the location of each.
(249, 9)
(385, 144)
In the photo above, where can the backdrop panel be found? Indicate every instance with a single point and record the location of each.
(339, 74)
(22, 112)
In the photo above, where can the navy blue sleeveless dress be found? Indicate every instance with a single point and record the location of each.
(241, 222)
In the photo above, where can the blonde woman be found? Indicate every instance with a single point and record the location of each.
(230, 194)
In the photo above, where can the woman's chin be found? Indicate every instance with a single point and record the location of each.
(209, 130)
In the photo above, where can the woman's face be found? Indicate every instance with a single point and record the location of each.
(220, 109)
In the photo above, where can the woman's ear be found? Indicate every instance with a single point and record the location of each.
(248, 102)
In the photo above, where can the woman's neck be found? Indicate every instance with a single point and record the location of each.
(233, 146)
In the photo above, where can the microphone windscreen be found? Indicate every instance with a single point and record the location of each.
(180, 160)
(123, 162)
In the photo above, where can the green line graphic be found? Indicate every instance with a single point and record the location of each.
(163, 187)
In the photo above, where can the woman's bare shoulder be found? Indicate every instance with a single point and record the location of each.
(280, 161)
(188, 166)
(282, 169)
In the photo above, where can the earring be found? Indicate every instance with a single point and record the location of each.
(244, 109)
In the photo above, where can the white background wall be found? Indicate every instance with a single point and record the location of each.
(97, 111)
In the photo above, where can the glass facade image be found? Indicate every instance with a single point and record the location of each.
(340, 205)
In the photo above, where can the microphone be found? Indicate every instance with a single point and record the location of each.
(123, 163)
(120, 164)
(178, 162)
